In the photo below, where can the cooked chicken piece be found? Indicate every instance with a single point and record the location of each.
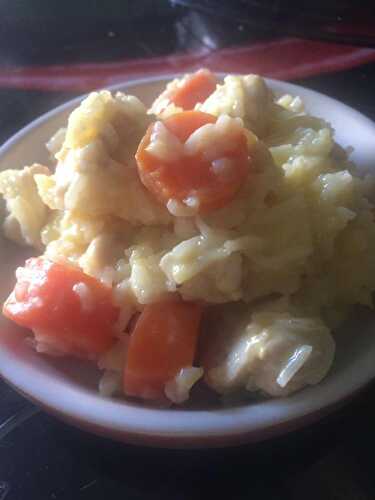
(246, 97)
(27, 212)
(274, 352)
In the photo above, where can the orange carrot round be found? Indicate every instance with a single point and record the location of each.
(196, 88)
(193, 176)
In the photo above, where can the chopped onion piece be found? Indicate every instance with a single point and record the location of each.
(110, 383)
(178, 389)
(294, 364)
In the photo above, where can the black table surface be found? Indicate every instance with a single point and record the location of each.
(42, 458)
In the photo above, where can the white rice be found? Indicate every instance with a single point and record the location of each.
(178, 389)
(163, 144)
(85, 296)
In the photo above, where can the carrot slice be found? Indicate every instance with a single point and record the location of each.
(69, 311)
(196, 88)
(193, 177)
(163, 341)
(182, 125)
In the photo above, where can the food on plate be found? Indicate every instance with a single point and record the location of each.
(218, 238)
(69, 311)
(186, 92)
(162, 344)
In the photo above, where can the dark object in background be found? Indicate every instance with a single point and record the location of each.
(349, 22)
(46, 31)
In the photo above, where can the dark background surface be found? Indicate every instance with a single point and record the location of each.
(41, 458)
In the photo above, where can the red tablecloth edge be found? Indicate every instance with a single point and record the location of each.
(284, 59)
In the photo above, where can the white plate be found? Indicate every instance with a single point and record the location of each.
(68, 388)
